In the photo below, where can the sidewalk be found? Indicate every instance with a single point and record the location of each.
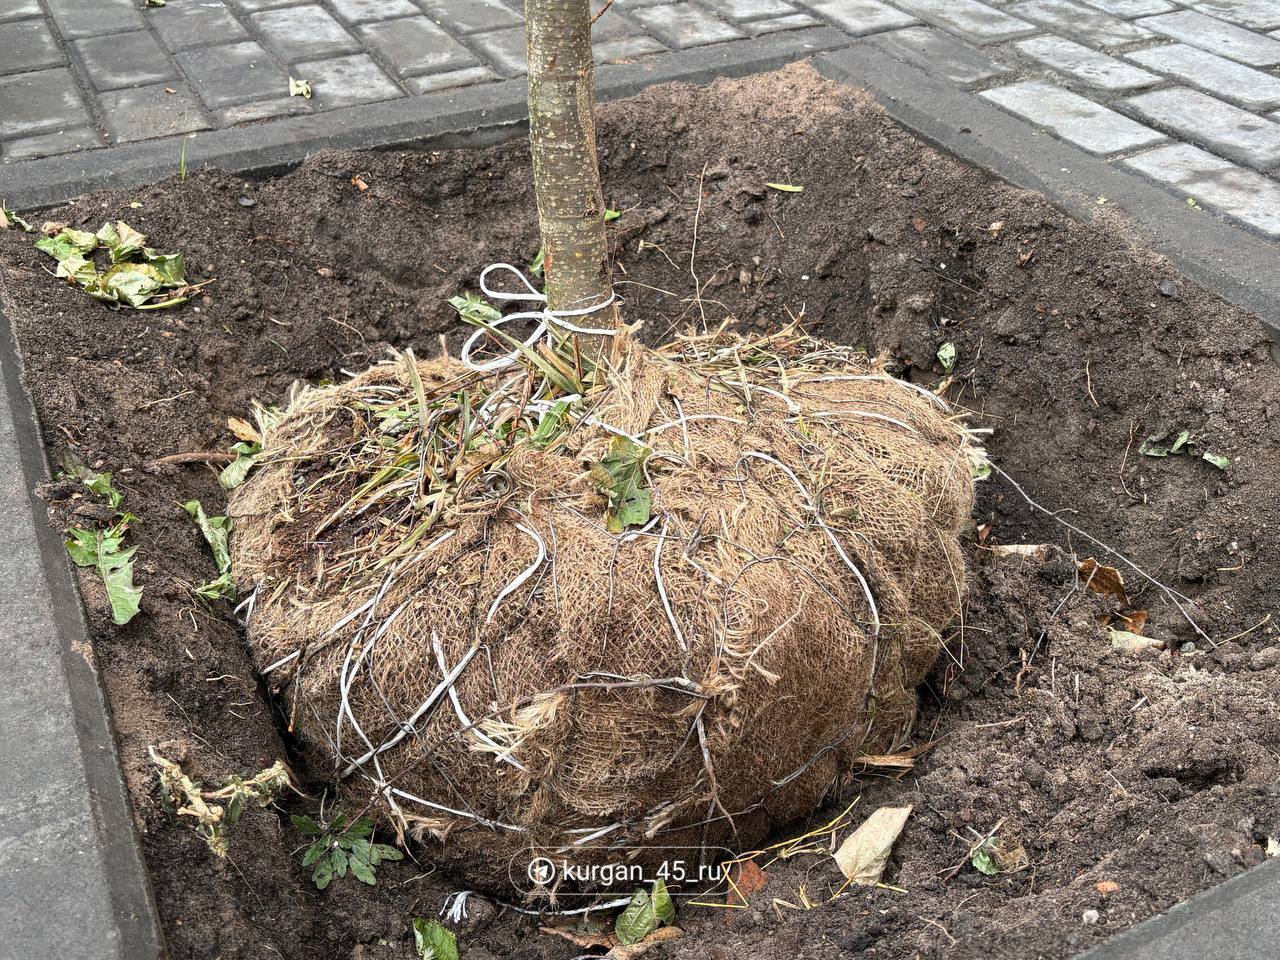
(1184, 93)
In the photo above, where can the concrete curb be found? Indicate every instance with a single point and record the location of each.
(1236, 920)
(1232, 262)
(72, 881)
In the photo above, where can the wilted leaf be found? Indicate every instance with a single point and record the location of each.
(995, 856)
(234, 473)
(299, 88)
(1103, 580)
(68, 243)
(433, 940)
(360, 184)
(647, 911)
(121, 239)
(984, 861)
(947, 356)
(1154, 445)
(216, 531)
(471, 306)
(621, 475)
(1217, 459)
(243, 430)
(865, 852)
(100, 549)
(785, 187)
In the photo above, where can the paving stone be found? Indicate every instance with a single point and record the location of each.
(1074, 118)
(416, 45)
(1218, 37)
(1255, 14)
(1085, 65)
(253, 6)
(1225, 79)
(473, 16)
(39, 102)
(1083, 23)
(504, 49)
(89, 18)
(940, 54)
(50, 144)
(232, 73)
(1222, 128)
(144, 113)
(682, 25)
(1130, 8)
(1214, 183)
(28, 45)
(792, 21)
(124, 60)
(306, 32)
(263, 110)
(448, 81)
(19, 9)
(969, 19)
(190, 23)
(860, 17)
(364, 11)
(625, 49)
(750, 9)
(342, 81)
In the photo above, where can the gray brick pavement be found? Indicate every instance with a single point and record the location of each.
(1136, 81)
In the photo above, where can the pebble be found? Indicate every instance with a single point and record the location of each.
(1090, 917)
(246, 201)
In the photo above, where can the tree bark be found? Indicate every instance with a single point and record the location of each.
(566, 172)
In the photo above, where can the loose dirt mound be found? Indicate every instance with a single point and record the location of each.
(470, 629)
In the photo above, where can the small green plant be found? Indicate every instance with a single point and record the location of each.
(182, 162)
(341, 845)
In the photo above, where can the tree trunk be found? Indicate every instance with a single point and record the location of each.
(566, 173)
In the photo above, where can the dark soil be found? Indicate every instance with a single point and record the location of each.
(1154, 776)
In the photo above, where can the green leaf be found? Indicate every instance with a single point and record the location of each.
(99, 483)
(216, 531)
(170, 266)
(984, 861)
(117, 573)
(314, 852)
(433, 940)
(947, 356)
(322, 874)
(549, 426)
(68, 243)
(1217, 459)
(77, 269)
(361, 828)
(785, 187)
(382, 851)
(305, 825)
(471, 306)
(362, 871)
(1180, 442)
(100, 549)
(610, 215)
(663, 907)
(9, 217)
(638, 920)
(621, 475)
(539, 263)
(235, 472)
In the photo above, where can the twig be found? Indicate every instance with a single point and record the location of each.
(601, 11)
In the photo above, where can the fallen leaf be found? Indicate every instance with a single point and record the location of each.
(1135, 621)
(632, 950)
(785, 187)
(1217, 459)
(919, 224)
(997, 855)
(1122, 641)
(1104, 580)
(947, 354)
(359, 184)
(243, 430)
(996, 227)
(1106, 887)
(300, 88)
(865, 852)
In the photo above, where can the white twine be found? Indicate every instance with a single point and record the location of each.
(546, 317)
